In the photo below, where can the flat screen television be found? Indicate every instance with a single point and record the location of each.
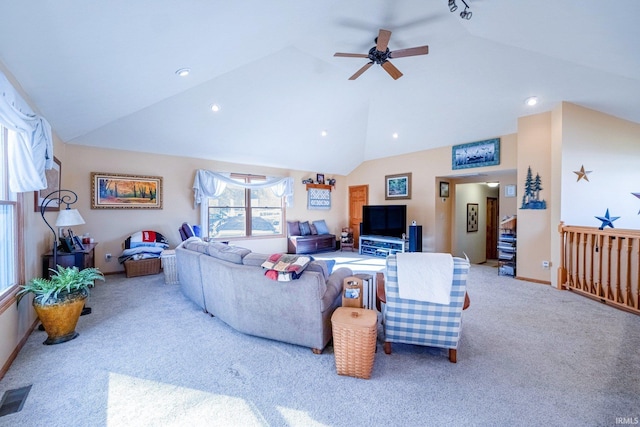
(384, 220)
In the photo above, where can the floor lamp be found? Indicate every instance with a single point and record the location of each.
(66, 217)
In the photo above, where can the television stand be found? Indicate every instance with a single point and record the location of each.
(381, 246)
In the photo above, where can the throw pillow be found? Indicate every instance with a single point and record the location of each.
(293, 228)
(321, 226)
(313, 228)
(305, 230)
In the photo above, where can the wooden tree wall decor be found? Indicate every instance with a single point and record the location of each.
(531, 197)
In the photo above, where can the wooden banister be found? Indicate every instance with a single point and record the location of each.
(601, 264)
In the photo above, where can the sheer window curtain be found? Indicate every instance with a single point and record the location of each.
(208, 184)
(31, 149)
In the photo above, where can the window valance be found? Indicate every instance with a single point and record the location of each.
(208, 184)
(31, 151)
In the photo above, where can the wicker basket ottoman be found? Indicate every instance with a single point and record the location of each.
(142, 267)
(355, 331)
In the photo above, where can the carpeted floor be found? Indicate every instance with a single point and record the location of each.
(146, 356)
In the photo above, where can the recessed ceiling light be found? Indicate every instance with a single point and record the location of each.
(531, 101)
(395, 135)
(183, 72)
(215, 108)
(492, 184)
(323, 133)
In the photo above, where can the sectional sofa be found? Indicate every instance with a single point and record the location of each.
(229, 283)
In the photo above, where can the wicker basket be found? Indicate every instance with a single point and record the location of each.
(142, 267)
(355, 331)
(168, 258)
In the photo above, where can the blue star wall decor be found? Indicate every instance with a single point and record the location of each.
(638, 196)
(582, 174)
(607, 220)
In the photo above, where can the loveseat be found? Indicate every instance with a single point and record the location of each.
(229, 283)
(304, 237)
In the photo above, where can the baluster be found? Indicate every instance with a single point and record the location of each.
(618, 294)
(562, 270)
(573, 274)
(583, 267)
(592, 257)
(607, 284)
(600, 256)
(628, 295)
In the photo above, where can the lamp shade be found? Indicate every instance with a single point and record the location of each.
(69, 217)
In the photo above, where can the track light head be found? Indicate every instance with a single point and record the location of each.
(452, 6)
(465, 14)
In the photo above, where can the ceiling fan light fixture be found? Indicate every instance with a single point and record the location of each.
(183, 72)
(531, 101)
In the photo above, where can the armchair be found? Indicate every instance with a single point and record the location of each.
(418, 322)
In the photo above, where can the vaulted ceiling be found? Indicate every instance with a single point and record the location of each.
(103, 73)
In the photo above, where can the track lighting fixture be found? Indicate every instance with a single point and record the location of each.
(465, 14)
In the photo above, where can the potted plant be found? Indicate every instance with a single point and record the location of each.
(58, 301)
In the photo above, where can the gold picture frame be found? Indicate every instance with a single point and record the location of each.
(397, 186)
(119, 191)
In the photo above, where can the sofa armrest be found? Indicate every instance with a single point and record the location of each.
(334, 284)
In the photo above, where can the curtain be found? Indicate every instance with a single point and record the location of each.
(209, 184)
(31, 151)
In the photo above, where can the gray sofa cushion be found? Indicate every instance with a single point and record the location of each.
(254, 259)
(320, 266)
(196, 245)
(225, 252)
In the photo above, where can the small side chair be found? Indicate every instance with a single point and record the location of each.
(418, 322)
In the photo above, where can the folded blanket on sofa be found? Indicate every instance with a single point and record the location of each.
(285, 267)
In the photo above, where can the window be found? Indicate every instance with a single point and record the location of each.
(240, 212)
(10, 215)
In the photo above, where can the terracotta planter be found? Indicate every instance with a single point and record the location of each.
(60, 320)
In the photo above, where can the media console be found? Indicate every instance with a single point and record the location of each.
(381, 246)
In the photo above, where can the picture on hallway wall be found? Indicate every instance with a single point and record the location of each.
(472, 217)
(476, 154)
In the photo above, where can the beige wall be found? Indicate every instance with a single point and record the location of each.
(110, 227)
(534, 225)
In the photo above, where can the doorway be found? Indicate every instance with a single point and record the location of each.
(358, 197)
(493, 212)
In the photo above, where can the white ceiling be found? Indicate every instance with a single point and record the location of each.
(103, 73)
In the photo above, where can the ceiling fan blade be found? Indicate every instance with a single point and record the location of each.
(361, 70)
(383, 40)
(392, 70)
(351, 55)
(412, 51)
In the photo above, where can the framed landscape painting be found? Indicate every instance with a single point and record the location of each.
(476, 154)
(397, 186)
(115, 191)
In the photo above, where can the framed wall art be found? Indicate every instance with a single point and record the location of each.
(472, 217)
(444, 189)
(54, 176)
(476, 154)
(397, 186)
(320, 178)
(116, 191)
(510, 190)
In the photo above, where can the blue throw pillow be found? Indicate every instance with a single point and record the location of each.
(321, 226)
(305, 230)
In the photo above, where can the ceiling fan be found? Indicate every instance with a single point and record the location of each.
(380, 54)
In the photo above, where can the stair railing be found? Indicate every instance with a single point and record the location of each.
(601, 264)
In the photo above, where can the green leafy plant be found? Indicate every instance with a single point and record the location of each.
(65, 282)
